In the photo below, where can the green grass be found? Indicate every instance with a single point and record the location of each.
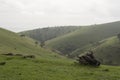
(45, 34)
(82, 37)
(47, 65)
(107, 50)
(18, 68)
(13, 43)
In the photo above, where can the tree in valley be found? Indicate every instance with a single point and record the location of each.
(118, 35)
(42, 44)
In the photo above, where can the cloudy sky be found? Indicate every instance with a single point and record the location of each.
(19, 15)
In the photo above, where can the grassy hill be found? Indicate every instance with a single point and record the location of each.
(17, 68)
(84, 36)
(13, 43)
(107, 51)
(47, 65)
(45, 34)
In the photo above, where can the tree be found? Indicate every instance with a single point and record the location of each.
(118, 35)
(22, 35)
(36, 43)
(42, 44)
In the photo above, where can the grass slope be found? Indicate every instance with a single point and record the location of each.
(45, 34)
(82, 37)
(47, 65)
(17, 68)
(107, 51)
(13, 43)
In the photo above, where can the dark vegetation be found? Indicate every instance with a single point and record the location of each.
(45, 34)
(42, 44)
(29, 56)
(8, 54)
(22, 35)
(21, 55)
(118, 35)
(2, 63)
(88, 59)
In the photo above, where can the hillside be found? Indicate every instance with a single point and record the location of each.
(45, 34)
(84, 36)
(17, 68)
(107, 51)
(13, 43)
(46, 65)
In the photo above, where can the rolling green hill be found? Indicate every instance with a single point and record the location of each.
(45, 34)
(46, 65)
(107, 51)
(13, 43)
(83, 37)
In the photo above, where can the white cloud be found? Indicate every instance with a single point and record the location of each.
(29, 14)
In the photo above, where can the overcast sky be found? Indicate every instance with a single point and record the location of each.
(19, 15)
